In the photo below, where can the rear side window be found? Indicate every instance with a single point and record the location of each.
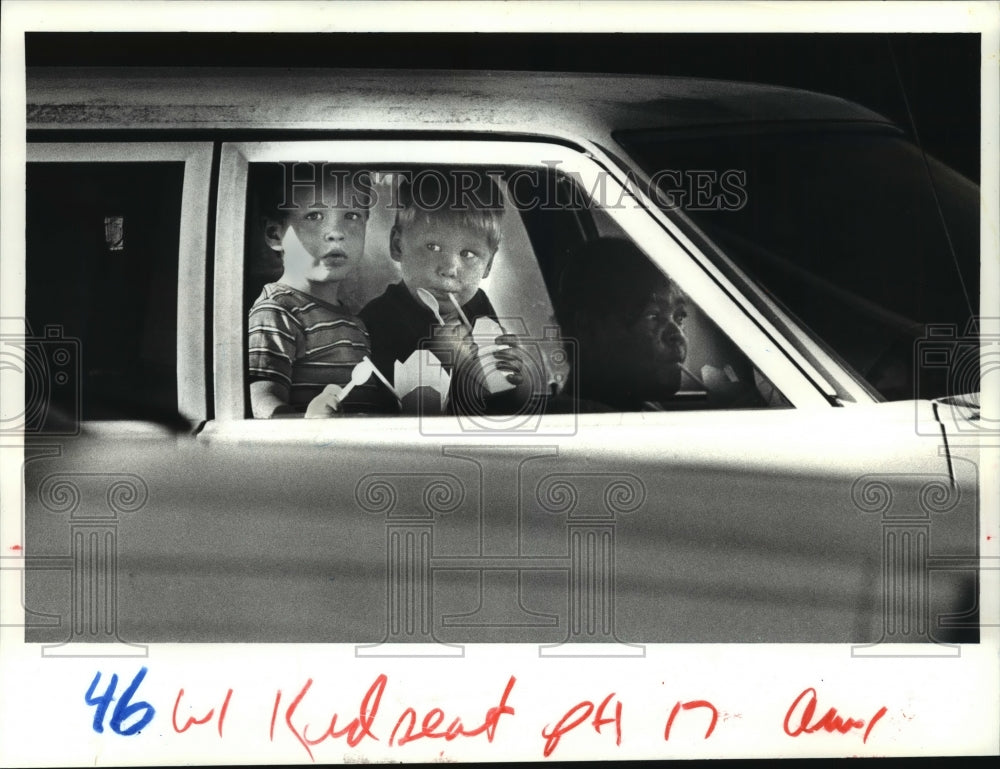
(101, 267)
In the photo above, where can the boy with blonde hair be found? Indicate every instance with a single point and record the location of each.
(445, 237)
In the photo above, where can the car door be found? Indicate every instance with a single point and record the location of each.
(111, 351)
(787, 522)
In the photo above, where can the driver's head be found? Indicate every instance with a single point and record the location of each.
(627, 318)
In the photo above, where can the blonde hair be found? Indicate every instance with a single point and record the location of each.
(465, 197)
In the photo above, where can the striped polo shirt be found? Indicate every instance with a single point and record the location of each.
(306, 343)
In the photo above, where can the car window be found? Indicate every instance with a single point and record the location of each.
(548, 222)
(115, 263)
(843, 227)
(101, 270)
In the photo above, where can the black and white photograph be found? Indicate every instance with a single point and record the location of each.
(471, 382)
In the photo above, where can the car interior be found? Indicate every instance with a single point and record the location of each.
(537, 242)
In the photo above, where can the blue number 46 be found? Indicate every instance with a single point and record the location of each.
(123, 709)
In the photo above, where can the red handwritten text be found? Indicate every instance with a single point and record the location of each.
(193, 721)
(435, 717)
(688, 706)
(830, 722)
(579, 713)
(355, 731)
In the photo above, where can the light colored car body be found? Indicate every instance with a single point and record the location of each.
(704, 525)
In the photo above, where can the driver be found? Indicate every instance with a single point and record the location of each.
(627, 318)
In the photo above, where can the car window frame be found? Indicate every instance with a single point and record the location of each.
(755, 338)
(192, 264)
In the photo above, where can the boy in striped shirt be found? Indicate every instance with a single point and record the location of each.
(302, 338)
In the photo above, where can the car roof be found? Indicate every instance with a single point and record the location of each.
(558, 104)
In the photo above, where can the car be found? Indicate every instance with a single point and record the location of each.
(814, 478)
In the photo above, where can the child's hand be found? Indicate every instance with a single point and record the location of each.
(326, 404)
(452, 345)
(513, 360)
(500, 369)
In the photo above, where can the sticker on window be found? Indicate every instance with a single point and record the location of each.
(114, 233)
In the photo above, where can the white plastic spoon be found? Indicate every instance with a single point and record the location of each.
(431, 301)
(359, 375)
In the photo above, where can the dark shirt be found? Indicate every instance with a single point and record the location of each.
(397, 324)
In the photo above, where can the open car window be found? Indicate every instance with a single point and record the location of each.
(852, 230)
(558, 281)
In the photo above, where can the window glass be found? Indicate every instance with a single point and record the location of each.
(334, 257)
(101, 268)
(843, 227)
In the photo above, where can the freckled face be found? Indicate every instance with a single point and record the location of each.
(442, 257)
(332, 239)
